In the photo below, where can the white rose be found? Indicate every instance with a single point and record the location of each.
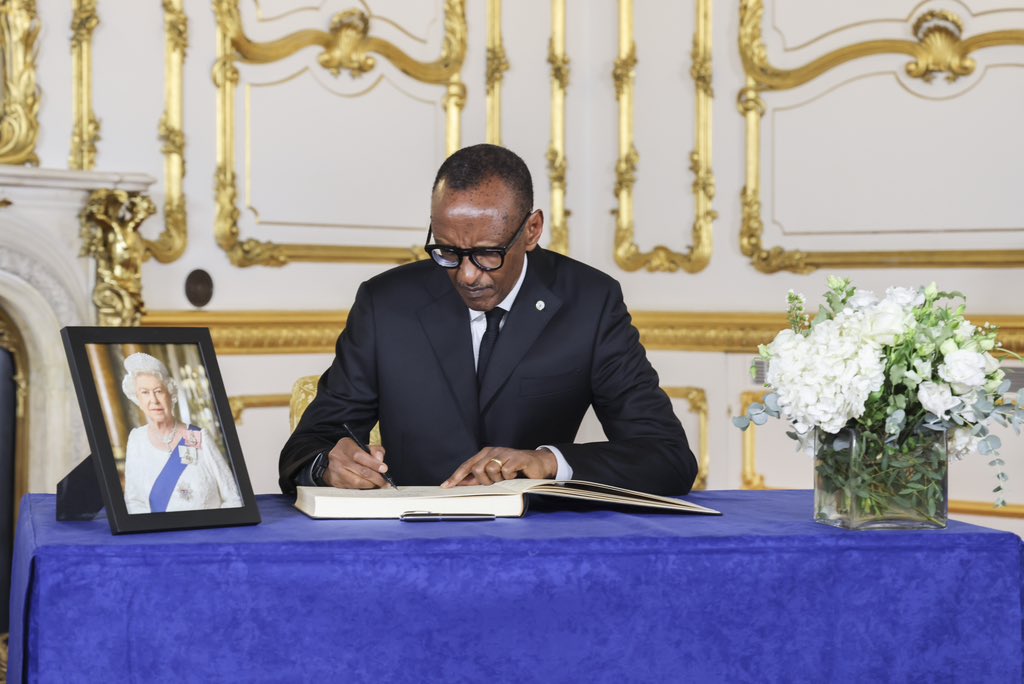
(991, 363)
(964, 330)
(936, 398)
(905, 296)
(963, 370)
(887, 321)
(961, 443)
(862, 299)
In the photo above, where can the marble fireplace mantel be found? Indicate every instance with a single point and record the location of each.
(45, 284)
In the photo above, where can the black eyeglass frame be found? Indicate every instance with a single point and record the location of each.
(474, 252)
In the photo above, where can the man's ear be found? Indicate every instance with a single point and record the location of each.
(534, 230)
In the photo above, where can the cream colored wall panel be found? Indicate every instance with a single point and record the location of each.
(834, 168)
(811, 25)
(263, 431)
(318, 159)
(53, 76)
(1015, 525)
(526, 129)
(259, 434)
(128, 86)
(664, 122)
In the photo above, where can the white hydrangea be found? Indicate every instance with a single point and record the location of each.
(824, 379)
(937, 398)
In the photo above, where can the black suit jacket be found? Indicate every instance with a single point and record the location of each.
(405, 358)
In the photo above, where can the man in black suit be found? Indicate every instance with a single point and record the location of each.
(481, 362)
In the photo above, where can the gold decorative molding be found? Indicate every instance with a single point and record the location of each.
(86, 130)
(627, 252)
(315, 332)
(346, 46)
(986, 508)
(497, 65)
(171, 243)
(557, 164)
(242, 402)
(110, 234)
(19, 117)
(939, 48)
(707, 331)
(12, 341)
(697, 398)
(303, 392)
(259, 332)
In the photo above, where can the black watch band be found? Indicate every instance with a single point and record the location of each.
(319, 468)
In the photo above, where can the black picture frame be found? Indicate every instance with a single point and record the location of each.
(98, 481)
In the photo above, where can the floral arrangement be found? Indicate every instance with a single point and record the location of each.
(901, 370)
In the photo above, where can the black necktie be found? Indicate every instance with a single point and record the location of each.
(488, 340)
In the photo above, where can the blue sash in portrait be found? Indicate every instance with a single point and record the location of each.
(167, 480)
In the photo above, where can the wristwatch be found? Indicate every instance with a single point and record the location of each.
(319, 467)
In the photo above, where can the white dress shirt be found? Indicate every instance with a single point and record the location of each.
(478, 325)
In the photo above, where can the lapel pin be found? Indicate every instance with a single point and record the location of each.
(540, 305)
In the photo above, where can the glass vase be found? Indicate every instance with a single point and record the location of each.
(863, 482)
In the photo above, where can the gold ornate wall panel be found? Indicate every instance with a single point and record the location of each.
(19, 116)
(86, 127)
(259, 332)
(242, 402)
(497, 65)
(110, 234)
(346, 46)
(627, 252)
(939, 48)
(557, 163)
(315, 332)
(171, 242)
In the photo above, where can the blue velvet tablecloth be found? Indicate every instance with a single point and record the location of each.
(759, 594)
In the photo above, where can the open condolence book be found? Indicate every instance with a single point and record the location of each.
(502, 499)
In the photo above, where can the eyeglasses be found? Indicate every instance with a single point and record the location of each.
(484, 258)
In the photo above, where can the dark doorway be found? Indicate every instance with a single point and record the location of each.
(8, 407)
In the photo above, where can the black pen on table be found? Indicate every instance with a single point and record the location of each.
(359, 443)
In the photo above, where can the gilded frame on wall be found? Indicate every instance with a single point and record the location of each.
(19, 118)
(627, 252)
(347, 45)
(939, 48)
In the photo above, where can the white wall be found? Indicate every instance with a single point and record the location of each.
(861, 158)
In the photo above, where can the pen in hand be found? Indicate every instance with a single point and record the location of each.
(359, 443)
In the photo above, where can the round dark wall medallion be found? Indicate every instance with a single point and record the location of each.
(199, 288)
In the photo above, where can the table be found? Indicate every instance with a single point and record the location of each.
(759, 594)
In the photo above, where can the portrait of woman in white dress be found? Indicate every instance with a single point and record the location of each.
(169, 465)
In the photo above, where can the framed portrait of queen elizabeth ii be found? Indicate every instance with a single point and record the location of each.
(164, 447)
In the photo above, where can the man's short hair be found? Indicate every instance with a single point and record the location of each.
(471, 166)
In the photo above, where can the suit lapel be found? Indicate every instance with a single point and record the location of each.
(534, 308)
(446, 323)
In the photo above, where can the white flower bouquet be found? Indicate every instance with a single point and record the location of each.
(884, 389)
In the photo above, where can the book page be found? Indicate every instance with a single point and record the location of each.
(431, 492)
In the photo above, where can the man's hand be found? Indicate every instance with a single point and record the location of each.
(493, 464)
(349, 467)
